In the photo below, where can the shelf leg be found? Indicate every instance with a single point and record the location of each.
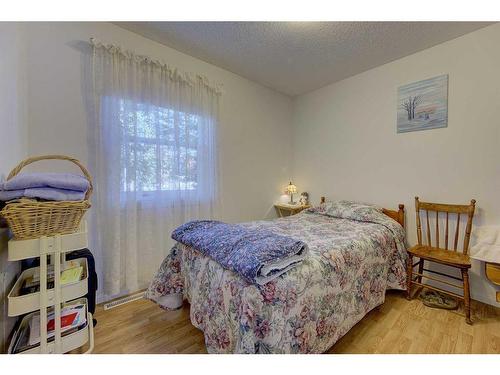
(43, 294)
(57, 293)
(90, 323)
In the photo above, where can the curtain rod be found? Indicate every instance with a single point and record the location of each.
(174, 72)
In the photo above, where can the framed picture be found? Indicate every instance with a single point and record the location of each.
(423, 105)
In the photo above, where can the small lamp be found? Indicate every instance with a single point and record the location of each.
(291, 189)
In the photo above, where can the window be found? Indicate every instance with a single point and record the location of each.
(159, 149)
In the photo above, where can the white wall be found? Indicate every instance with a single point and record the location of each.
(13, 144)
(346, 146)
(255, 141)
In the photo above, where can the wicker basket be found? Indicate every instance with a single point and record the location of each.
(29, 218)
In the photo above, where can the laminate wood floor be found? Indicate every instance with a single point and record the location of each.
(397, 326)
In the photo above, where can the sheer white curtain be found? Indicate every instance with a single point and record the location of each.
(153, 157)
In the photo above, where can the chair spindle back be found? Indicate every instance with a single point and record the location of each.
(448, 209)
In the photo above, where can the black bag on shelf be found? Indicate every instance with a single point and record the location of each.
(92, 287)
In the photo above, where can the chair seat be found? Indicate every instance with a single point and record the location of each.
(443, 256)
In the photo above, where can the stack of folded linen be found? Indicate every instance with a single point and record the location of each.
(485, 243)
(45, 186)
(259, 256)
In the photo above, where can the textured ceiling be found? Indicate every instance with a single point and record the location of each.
(297, 57)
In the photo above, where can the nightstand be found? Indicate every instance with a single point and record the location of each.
(283, 209)
(492, 271)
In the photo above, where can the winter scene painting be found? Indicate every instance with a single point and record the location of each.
(423, 105)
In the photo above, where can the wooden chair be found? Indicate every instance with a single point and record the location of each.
(446, 256)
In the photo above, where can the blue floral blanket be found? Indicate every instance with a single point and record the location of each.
(259, 256)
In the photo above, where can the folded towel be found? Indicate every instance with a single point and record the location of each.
(485, 243)
(66, 181)
(486, 252)
(47, 193)
(258, 256)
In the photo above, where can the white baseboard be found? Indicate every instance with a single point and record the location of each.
(122, 301)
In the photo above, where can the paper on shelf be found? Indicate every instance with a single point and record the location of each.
(80, 318)
(71, 275)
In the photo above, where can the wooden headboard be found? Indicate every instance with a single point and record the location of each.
(398, 215)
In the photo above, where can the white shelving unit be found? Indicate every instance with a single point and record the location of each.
(51, 250)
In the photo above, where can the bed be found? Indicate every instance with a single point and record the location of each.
(356, 253)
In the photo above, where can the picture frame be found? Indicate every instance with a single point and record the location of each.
(423, 105)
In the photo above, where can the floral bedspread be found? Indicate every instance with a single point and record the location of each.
(351, 264)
